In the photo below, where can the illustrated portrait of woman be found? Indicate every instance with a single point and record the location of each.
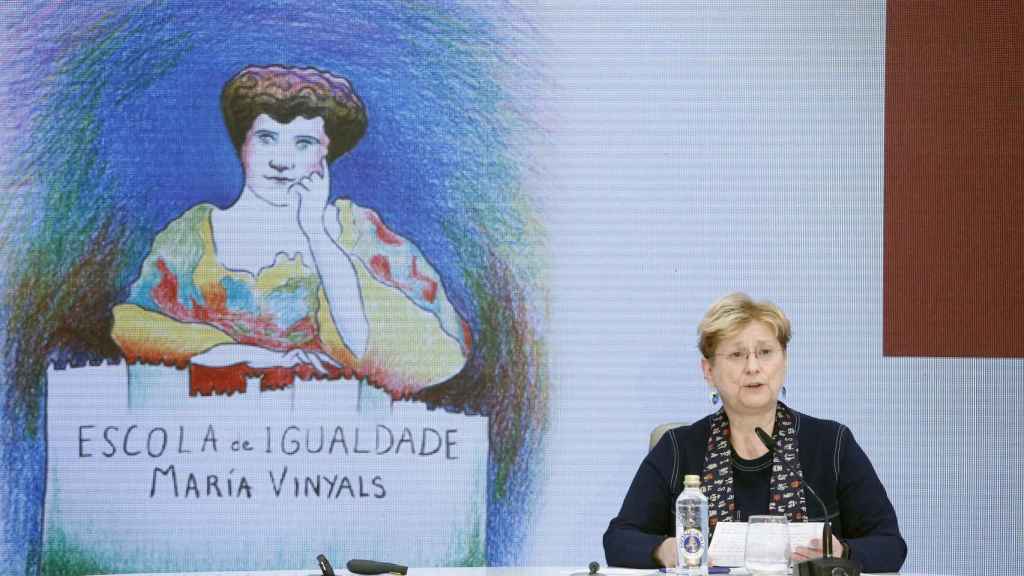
(379, 259)
(285, 284)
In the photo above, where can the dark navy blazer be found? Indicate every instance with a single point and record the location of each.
(832, 462)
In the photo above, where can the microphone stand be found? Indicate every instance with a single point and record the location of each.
(826, 565)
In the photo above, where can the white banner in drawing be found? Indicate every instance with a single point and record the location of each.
(257, 480)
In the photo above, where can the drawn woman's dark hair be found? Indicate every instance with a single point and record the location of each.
(285, 93)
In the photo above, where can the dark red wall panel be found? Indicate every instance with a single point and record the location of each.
(954, 199)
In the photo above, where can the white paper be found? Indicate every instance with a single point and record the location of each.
(801, 533)
(729, 544)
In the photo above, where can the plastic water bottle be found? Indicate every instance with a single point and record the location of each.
(692, 529)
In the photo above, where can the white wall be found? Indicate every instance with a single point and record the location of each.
(699, 148)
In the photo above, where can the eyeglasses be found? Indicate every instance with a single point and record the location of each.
(764, 355)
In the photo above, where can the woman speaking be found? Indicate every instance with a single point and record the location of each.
(743, 344)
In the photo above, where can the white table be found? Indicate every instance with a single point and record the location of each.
(414, 571)
(492, 571)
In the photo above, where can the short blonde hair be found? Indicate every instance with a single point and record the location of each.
(731, 314)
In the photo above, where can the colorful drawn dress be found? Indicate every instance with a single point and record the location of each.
(185, 302)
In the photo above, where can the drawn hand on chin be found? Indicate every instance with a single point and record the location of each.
(312, 191)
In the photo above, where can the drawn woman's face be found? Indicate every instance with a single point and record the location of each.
(275, 155)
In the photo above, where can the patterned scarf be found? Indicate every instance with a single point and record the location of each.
(786, 495)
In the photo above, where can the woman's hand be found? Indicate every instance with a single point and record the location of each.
(318, 360)
(336, 270)
(815, 550)
(312, 190)
(230, 354)
(666, 553)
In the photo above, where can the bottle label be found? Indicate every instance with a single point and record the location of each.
(693, 546)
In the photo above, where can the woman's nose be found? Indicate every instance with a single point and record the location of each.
(753, 364)
(281, 164)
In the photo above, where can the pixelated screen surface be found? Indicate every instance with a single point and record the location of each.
(416, 282)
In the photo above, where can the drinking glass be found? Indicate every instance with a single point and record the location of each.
(767, 549)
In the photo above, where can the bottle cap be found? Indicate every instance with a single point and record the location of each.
(691, 481)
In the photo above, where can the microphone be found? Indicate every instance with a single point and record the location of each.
(593, 569)
(818, 566)
(826, 529)
(373, 567)
(325, 566)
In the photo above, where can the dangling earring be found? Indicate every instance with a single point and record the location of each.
(783, 391)
(714, 397)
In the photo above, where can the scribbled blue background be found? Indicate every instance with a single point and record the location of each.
(114, 129)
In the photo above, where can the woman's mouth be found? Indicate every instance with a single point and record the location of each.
(278, 179)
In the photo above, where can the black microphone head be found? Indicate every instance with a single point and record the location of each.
(594, 567)
(325, 566)
(767, 440)
(373, 567)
